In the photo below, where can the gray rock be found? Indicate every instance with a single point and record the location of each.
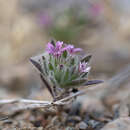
(82, 126)
(122, 123)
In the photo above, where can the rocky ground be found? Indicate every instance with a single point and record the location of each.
(103, 107)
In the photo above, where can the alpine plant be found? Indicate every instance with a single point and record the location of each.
(63, 68)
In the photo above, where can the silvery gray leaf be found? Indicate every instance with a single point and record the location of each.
(91, 82)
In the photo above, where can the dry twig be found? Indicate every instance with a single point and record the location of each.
(27, 104)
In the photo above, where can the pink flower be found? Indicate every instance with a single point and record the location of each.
(50, 48)
(71, 49)
(60, 47)
(83, 67)
(55, 50)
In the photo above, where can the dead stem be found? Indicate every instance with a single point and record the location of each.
(27, 104)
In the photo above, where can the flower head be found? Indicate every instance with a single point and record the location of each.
(55, 50)
(60, 47)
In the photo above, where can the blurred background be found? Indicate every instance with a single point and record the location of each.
(100, 27)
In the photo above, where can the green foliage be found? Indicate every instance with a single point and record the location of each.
(64, 71)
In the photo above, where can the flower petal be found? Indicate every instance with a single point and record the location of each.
(77, 50)
(50, 48)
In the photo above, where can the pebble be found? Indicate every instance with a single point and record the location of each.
(93, 123)
(72, 120)
(75, 118)
(82, 125)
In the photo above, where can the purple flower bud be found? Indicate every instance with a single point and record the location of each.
(83, 67)
(54, 50)
(71, 49)
(50, 48)
(77, 50)
(61, 66)
(59, 45)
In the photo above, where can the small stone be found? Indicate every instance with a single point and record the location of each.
(75, 118)
(122, 123)
(72, 120)
(82, 126)
(93, 123)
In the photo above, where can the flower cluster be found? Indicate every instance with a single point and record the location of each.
(60, 47)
